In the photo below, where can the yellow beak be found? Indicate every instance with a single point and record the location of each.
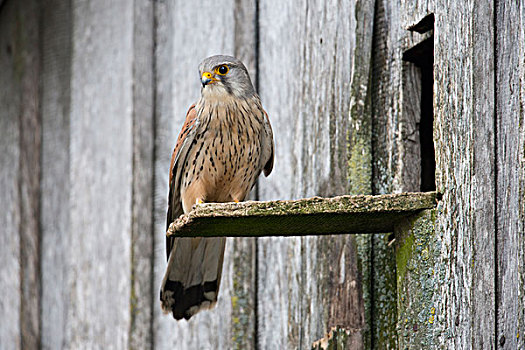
(207, 78)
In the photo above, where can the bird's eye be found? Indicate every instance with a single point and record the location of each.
(222, 70)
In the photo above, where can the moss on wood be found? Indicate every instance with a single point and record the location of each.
(312, 216)
(418, 281)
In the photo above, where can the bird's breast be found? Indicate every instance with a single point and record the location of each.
(224, 161)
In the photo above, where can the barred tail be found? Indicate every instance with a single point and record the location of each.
(193, 276)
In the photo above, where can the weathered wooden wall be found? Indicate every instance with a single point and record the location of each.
(464, 136)
(87, 173)
(510, 173)
(55, 183)
(477, 299)
(93, 94)
(19, 174)
(310, 79)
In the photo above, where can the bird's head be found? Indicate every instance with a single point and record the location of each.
(223, 76)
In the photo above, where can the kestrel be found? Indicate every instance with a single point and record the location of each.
(225, 143)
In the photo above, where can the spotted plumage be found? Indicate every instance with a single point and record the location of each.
(225, 143)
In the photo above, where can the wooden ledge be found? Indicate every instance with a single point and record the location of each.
(311, 216)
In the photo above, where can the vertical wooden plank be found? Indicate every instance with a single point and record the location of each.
(21, 178)
(414, 11)
(101, 158)
(10, 99)
(464, 137)
(510, 113)
(306, 70)
(143, 291)
(483, 191)
(229, 30)
(27, 47)
(419, 272)
(360, 118)
(55, 186)
(396, 101)
(386, 102)
(409, 145)
(244, 250)
(385, 94)
(279, 270)
(360, 147)
(396, 97)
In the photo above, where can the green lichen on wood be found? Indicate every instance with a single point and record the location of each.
(242, 294)
(315, 216)
(384, 311)
(364, 246)
(359, 140)
(418, 280)
(359, 170)
(403, 254)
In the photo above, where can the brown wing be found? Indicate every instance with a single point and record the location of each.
(178, 157)
(268, 142)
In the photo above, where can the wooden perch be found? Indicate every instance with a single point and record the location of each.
(312, 216)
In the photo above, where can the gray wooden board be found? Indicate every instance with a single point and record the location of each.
(186, 34)
(337, 215)
(385, 102)
(55, 181)
(99, 237)
(360, 158)
(27, 68)
(359, 131)
(306, 67)
(510, 78)
(463, 136)
(414, 11)
(396, 150)
(483, 191)
(143, 291)
(279, 270)
(10, 99)
(20, 178)
(410, 147)
(244, 250)
(419, 272)
(396, 95)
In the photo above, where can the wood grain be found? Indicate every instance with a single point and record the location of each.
(386, 69)
(384, 98)
(26, 44)
(396, 111)
(306, 67)
(244, 250)
(10, 100)
(482, 193)
(360, 159)
(279, 271)
(101, 153)
(510, 114)
(20, 96)
(143, 290)
(463, 135)
(55, 182)
(418, 274)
